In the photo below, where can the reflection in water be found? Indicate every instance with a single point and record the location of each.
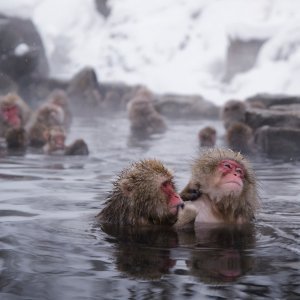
(50, 248)
(143, 252)
(220, 254)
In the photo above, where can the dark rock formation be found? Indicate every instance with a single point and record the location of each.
(103, 7)
(256, 118)
(278, 141)
(273, 99)
(182, 106)
(22, 53)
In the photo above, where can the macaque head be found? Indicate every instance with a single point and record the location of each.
(60, 98)
(10, 110)
(227, 180)
(51, 115)
(55, 139)
(232, 112)
(144, 194)
(207, 137)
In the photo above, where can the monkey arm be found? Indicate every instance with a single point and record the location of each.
(190, 193)
(186, 215)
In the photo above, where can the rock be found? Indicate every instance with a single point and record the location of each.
(7, 84)
(256, 118)
(103, 7)
(273, 99)
(181, 106)
(116, 95)
(288, 107)
(84, 92)
(241, 56)
(22, 53)
(278, 141)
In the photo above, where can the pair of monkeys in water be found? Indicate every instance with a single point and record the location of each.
(222, 189)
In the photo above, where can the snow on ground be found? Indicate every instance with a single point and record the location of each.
(171, 46)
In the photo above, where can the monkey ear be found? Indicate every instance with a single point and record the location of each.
(125, 186)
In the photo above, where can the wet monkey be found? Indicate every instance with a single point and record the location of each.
(16, 139)
(78, 147)
(144, 194)
(222, 187)
(233, 111)
(47, 116)
(14, 112)
(240, 137)
(207, 136)
(55, 144)
(55, 140)
(143, 117)
(60, 98)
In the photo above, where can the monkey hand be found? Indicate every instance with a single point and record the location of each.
(186, 215)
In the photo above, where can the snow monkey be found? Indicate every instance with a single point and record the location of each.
(145, 194)
(222, 188)
(14, 112)
(207, 136)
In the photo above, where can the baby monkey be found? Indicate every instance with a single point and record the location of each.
(55, 143)
(222, 188)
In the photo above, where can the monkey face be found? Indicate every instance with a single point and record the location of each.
(173, 199)
(10, 115)
(230, 178)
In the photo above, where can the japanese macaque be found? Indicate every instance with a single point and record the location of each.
(79, 147)
(14, 112)
(240, 137)
(55, 144)
(59, 97)
(16, 139)
(56, 138)
(222, 188)
(207, 137)
(232, 112)
(143, 117)
(144, 194)
(47, 116)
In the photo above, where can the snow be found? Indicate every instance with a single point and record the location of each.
(171, 46)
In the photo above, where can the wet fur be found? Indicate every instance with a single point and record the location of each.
(136, 198)
(231, 208)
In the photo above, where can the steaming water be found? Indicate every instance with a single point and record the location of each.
(51, 247)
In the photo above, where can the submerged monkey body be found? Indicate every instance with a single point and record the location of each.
(222, 188)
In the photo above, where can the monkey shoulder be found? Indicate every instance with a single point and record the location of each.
(186, 215)
(204, 211)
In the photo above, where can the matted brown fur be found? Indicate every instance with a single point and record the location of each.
(136, 198)
(229, 208)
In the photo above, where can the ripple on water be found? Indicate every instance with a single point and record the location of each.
(51, 247)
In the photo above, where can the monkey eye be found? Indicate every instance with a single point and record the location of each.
(239, 171)
(227, 165)
(167, 183)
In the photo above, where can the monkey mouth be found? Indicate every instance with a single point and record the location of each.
(175, 208)
(234, 182)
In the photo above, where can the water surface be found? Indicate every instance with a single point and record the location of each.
(52, 248)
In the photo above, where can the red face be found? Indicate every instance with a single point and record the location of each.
(11, 115)
(58, 141)
(232, 175)
(174, 200)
